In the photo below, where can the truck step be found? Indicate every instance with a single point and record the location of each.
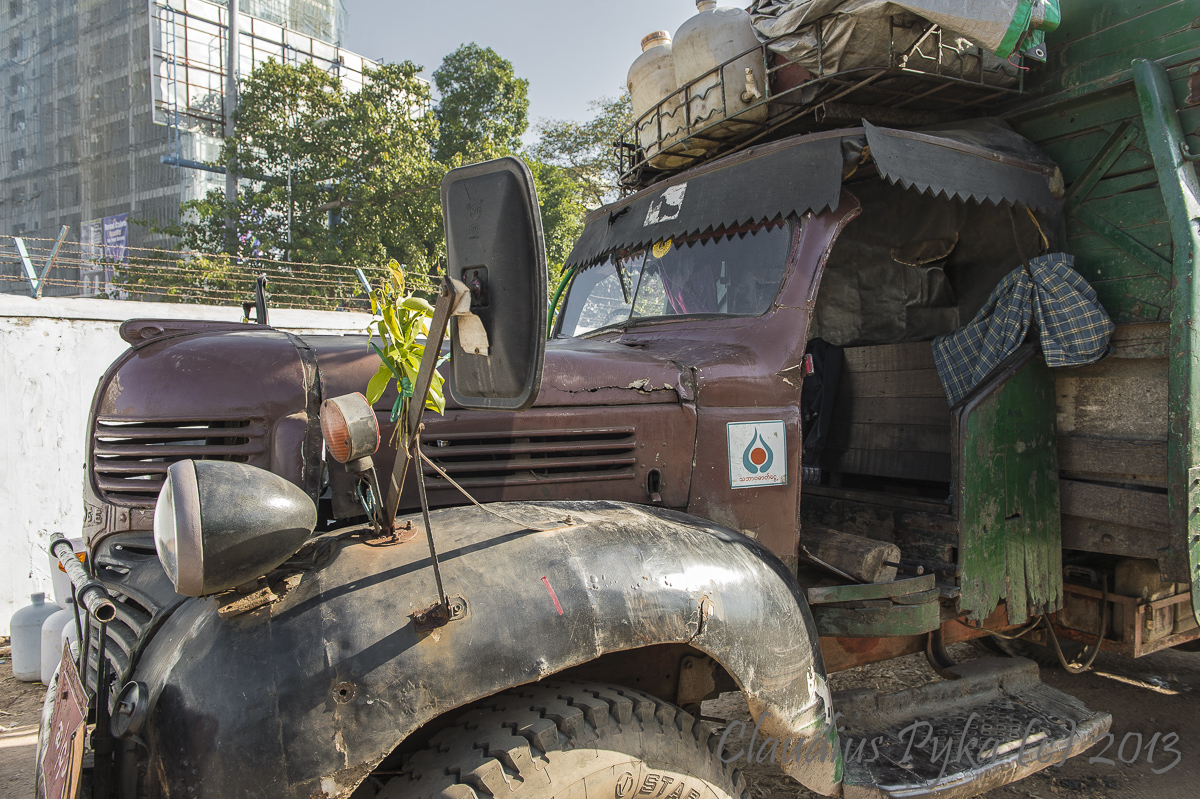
(995, 724)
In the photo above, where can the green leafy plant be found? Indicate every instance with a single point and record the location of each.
(404, 317)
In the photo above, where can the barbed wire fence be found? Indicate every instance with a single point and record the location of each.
(157, 275)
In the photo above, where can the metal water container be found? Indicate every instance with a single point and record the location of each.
(70, 637)
(26, 626)
(52, 643)
(701, 45)
(656, 108)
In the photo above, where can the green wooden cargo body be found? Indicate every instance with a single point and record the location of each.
(1117, 106)
(1066, 485)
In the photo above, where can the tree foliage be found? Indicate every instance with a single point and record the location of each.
(354, 168)
(586, 150)
(329, 177)
(483, 107)
(339, 178)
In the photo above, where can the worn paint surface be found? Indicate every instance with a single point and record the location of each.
(1112, 107)
(899, 608)
(1181, 193)
(1010, 540)
(339, 658)
(872, 622)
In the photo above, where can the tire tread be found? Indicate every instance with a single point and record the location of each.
(505, 739)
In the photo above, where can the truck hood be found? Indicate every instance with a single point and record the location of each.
(577, 372)
(591, 372)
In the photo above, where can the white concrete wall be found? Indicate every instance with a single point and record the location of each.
(52, 354)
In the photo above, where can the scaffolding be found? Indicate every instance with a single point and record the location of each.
(84, 133)
(187, 61)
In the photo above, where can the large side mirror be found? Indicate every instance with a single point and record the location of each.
(494, 245)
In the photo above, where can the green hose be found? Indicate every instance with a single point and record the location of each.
(562, 284)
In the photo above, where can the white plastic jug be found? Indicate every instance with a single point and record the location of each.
(52, 643)
(701, 44)
(69, 637)
(26, 634)
(656, 108)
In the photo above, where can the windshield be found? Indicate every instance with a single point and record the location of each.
(736, 271)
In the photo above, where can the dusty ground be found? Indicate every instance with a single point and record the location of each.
(20, 705)
(1158, 693)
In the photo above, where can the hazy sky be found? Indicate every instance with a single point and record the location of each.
(570, 51)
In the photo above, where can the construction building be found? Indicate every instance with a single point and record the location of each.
(112, 106)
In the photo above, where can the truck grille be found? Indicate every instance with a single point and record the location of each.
(513, 458)
(123, 639)
(130, 459)
(123, 567)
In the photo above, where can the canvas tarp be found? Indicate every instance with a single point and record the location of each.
(834, 35)
(982, 160)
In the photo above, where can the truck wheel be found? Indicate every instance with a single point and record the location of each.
(569, 739)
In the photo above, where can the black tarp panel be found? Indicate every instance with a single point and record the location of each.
(758, 185)
(976, 162)
(980, 160)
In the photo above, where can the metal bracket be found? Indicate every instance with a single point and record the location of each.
(439, 614)
(449, 298)
(697, 680)
(36, 283)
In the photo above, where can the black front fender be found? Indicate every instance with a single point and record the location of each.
(304, 697)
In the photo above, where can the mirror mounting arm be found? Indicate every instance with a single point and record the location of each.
(449, 299)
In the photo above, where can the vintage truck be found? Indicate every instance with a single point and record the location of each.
(644, 534)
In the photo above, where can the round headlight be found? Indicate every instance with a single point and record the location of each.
(219, 524)
(178, 503)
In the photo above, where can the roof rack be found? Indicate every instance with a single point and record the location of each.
(931, 81)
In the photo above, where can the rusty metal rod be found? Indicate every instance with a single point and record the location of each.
(420, 473)
(90, 593)
(446, 301)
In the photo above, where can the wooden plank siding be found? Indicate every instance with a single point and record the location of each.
(1112, 446)
(1093, 47)
(1114, 504)
(892, 419)
(1010, 545)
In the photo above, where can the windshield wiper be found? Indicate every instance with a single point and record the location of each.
(621, 280)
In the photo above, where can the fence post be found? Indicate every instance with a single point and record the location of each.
(36, 284)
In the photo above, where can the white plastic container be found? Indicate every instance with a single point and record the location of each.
(701, 45)
(52, 643)
(69, 637)
(651, 84)
(26, 626)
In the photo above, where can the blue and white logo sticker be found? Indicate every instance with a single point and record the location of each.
(757, 454)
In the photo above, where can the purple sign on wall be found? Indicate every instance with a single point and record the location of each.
(116, 238)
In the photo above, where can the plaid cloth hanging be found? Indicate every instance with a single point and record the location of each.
(1074, 327)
